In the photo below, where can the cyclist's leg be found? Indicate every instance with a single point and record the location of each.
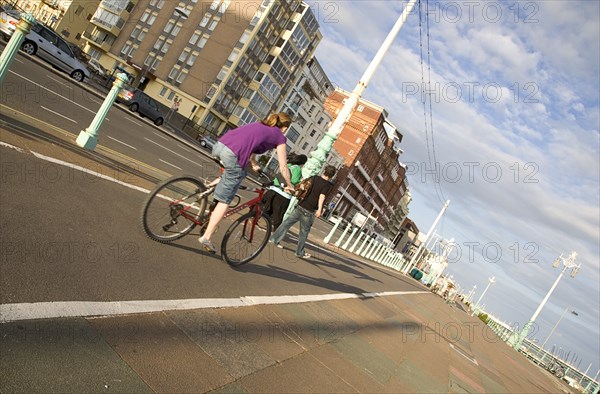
(225, 189)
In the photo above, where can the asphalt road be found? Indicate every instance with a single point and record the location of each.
(53, 98)
(69, 236)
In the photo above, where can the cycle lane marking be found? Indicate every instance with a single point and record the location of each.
(62, 309)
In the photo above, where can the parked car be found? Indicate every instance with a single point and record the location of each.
(140, 102)
(8, 22)
(47, 44)
(207, 141)
(95, 67)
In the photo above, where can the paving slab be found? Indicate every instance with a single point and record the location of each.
(59, 356)
(164, 357)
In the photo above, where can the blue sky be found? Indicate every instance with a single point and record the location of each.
(514, 126)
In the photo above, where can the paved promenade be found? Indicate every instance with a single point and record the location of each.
(398, 342)
(411, 343)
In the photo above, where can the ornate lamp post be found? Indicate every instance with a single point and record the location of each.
(314, 164)
(568, 263)
(478, 303)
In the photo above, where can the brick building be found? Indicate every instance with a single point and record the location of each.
(371, 181)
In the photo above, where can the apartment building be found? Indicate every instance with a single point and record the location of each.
(372, 179)
(306, 104)
(48, 12)
(230, 62)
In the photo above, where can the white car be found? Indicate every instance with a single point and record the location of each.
(95, 67)
(8, 22)
(47, 44)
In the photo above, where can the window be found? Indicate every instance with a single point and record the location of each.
(163, 91)
(291, 134)
(313, 132)
(360, 108)
(194, 38)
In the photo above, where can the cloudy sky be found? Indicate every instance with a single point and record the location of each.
(512, 120)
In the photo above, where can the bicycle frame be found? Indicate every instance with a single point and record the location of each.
(255, 202)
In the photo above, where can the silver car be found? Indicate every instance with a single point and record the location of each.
(48, 45)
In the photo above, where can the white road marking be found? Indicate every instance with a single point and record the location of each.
(48, 310)
(121, 142)
(76, 167)
(60, 82)
(56, 113)
(133, 121)
(18, 60)
(172, 165)
(175, 153)
(51, 91)
(45, 310)
(161, 136)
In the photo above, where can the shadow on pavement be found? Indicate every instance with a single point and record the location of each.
(291, 276)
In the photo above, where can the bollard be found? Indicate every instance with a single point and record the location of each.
(339, 241)
(345, 246)
(351, 250)
(383, 255)
(333, 230)
(370, 248)
(388, 258)
(381, 250)
(364, 243)
(397, 261)
(13, 45)
(88, 138)
(374, 250)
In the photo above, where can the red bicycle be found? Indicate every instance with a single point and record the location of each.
(179, 204)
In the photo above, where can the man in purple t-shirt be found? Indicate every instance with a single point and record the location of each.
(235, 150)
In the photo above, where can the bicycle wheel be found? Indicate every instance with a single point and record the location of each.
(173, 208)
(245, 238)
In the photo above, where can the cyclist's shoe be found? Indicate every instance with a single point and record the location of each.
(207, 245)
(305, 256)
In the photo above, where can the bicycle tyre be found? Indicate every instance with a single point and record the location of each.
(157, 226)
(235, 240)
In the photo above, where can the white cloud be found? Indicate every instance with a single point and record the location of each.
(544, 126)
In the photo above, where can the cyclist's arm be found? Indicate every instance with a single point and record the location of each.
(283, 168)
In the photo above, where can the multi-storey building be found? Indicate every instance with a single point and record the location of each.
(106, 20)
(230, 62)
(394, 225)
(372, 179)
(48, 12)
(306, 104)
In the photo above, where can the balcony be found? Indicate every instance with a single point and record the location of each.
(100, 42)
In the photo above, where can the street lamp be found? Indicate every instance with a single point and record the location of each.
(568, 263)
(317, 157)
(492, 281)
(180, 13)
(556, 325)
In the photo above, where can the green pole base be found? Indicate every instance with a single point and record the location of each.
(86, 140)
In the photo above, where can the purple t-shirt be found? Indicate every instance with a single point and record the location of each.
(252, 138)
